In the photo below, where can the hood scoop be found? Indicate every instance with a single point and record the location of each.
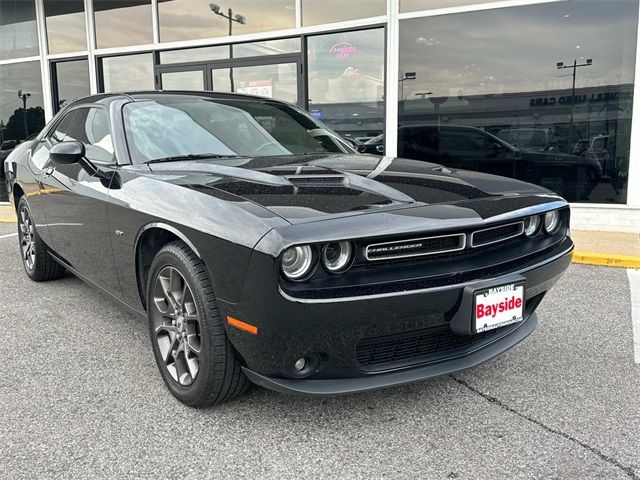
(349, 180)
(318, 180)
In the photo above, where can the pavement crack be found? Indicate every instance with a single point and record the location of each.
(629, 471)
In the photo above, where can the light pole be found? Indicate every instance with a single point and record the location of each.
(241, 19)
(23, 96)
(574, 66)
(405, 77)
(2, 128)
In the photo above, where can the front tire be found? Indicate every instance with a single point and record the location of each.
(196, 360)
(37, 262)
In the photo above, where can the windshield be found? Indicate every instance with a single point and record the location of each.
(183, 127)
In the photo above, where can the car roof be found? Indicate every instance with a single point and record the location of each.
(442, 127)
(108, 98)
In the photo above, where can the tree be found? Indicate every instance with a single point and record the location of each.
(15, 124)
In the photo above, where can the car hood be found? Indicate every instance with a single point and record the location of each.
(311, 187)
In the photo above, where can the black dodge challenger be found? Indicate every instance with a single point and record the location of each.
(262, 248)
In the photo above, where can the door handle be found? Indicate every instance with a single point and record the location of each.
(48, 171)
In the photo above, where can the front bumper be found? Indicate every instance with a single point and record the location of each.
(337, 386)
(289, 329)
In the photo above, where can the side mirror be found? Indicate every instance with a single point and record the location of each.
(66, 153)
(494, 149)
(351, 142)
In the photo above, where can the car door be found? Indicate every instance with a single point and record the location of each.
(475, 150)
(74, 200)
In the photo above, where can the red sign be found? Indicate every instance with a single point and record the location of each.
(343, 50)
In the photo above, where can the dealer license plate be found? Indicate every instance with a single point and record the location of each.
(498, 306)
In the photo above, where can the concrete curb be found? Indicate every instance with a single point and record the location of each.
(606, 260)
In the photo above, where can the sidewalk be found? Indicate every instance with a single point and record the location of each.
(613, 249)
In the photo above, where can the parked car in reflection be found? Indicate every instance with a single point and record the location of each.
(599, 148)
(472, 148)
(5, 149)
(530, 139)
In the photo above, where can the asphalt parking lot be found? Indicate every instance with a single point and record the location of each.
(80, 397)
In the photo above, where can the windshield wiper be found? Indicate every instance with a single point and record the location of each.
(191, 156)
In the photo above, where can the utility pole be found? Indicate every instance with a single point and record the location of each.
(575, 66)
(23, 96)
(2, 128)
(241, 19)
(405, 77)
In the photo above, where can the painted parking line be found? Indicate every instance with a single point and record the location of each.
(634, 284)
(8, 236)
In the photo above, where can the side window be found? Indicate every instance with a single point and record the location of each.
(462, 141)
(91, 127)
(61, 130)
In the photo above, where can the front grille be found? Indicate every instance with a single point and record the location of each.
(416, 247)
(414, 347)
(428, 345)
(403, 249)
(497, 234)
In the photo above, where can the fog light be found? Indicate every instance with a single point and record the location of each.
(300, 364)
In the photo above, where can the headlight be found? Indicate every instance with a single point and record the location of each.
(531, 225)
(297, 262)
(551, 221)
(336, 256)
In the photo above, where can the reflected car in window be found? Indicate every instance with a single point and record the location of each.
(262, 248)
(531, 139)
(571, 176)
(5, 149)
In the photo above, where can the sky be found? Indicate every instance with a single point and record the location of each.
(516, 49)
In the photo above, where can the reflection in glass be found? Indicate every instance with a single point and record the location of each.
(189, 80)
(476, 97)
(192, 19)
(122, 22)
(18, 29)
(414, 5)
(278, 80)
(346, 81)
(66, 28)
(25, 77)
(203, 54)
(316, 12)
(226, 127)
(71, 80)
(128, 73)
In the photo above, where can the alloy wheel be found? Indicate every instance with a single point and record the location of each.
(27, 238)
(176, 325)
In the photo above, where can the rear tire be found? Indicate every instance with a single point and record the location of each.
(197, 362)
(37, 262)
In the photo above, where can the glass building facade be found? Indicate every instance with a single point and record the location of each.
(539, 90)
